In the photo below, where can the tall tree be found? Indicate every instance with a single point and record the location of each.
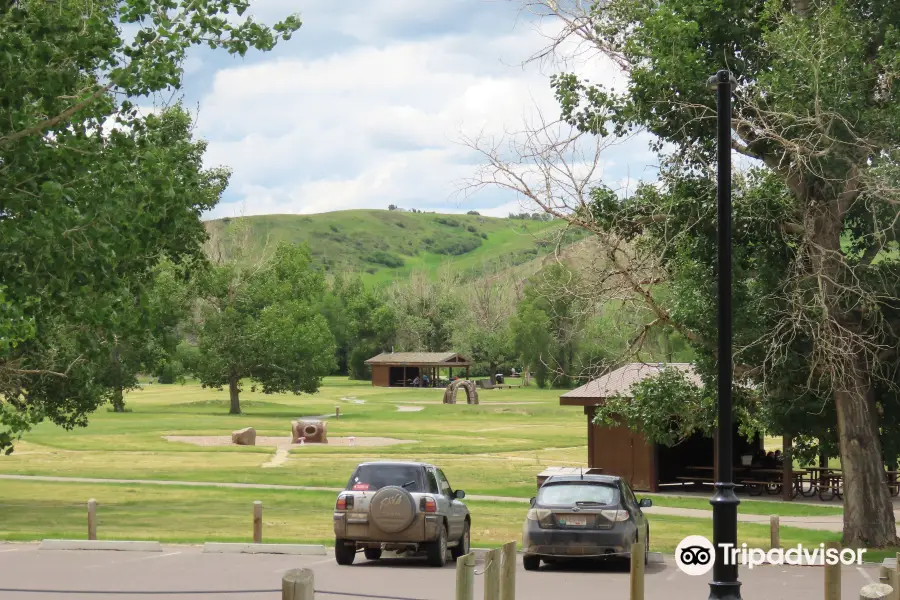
(362, 323)
(261, 320)
(427, 310)
(824, 129)
(84, 215)
(483, 330)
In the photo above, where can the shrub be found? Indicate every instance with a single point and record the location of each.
(333, 227)
(455, 247)
(483, 235)
(471, 229)
(447, 222)
(383, 258)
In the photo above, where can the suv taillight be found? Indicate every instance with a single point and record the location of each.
(427, 504)
(344, 503)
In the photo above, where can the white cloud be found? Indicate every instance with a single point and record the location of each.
(377, 123)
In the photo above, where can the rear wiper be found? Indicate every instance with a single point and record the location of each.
(407, 483)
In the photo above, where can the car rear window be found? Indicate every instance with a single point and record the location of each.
(369, 478)
(567, 494)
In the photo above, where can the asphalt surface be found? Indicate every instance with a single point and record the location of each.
(184, 572)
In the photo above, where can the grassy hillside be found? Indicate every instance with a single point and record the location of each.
(385, 245)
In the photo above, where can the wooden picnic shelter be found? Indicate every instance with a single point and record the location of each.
(401, 369)
(620, 451)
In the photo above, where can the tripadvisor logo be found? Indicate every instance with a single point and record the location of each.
(695, 555)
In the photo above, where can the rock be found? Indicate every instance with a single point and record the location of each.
(314, 432)
(244, 437)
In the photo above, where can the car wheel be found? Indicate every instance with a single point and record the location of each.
(372, 553)
(462, 548)
(531, 562)
(437, 550)
(344, 553)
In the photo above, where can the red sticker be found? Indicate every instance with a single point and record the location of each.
(361, 486)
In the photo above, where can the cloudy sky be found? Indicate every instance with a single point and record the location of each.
(366, 105)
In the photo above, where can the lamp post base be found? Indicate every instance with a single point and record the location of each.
(720, 590)
(725, 584)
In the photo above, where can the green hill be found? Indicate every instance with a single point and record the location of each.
(383, 246)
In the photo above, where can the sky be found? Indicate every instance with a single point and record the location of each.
(368, 103)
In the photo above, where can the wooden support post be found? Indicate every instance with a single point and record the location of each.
(876, 591)
(298, 584)
(774, 532)
(492, 574)
(257, 522)
(637, 571)
(833, 576)
(787, 469)
(92, 519)
(337, 412)
(508, 572)
(894, 579)
(465, 577)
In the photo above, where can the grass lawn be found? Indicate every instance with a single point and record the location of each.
(37, 510)
(495, 448)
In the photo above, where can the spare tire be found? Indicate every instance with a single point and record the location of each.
(392, 509)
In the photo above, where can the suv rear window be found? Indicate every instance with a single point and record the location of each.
(369, 478)
(567, 494)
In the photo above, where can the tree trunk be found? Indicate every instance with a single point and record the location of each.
(868, 510)
(118, 399)
(526, 379)
(234, 393)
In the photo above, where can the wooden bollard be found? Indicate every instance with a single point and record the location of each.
(876, 591)
(337, 412)
(92, 519)
(893, 577)
(774, 532)
(492, 574)
(257, 522)
(833, 576)
(298, 584)
(637, 571)
(508, 571)
(465, 577)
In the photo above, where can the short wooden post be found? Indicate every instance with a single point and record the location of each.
(508, 572)
(876, 591)
(637, 571)
(833, 576)
(92, 519)
(492, 574)
(465, 577)
(257, 522)
(298, 584)
(894, 579)
(774, 532)
(337, 412)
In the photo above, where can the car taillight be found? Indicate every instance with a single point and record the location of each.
(541, 515)
(344, 503)
(427, 504)
(615, 515)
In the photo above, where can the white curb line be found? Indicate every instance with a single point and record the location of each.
(224, 548)
(100, 545)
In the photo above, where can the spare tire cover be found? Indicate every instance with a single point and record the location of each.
(392, 509)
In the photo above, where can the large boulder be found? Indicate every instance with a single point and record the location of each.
(313, 432)
(244, 437)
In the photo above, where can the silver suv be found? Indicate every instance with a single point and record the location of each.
(407, 507)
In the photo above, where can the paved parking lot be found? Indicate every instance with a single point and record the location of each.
(184, 572)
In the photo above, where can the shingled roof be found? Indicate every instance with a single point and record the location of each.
(419, 359)
(619, 382)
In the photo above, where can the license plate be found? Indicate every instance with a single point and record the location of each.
(573, 521)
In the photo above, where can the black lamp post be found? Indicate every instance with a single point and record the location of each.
(725, 584)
